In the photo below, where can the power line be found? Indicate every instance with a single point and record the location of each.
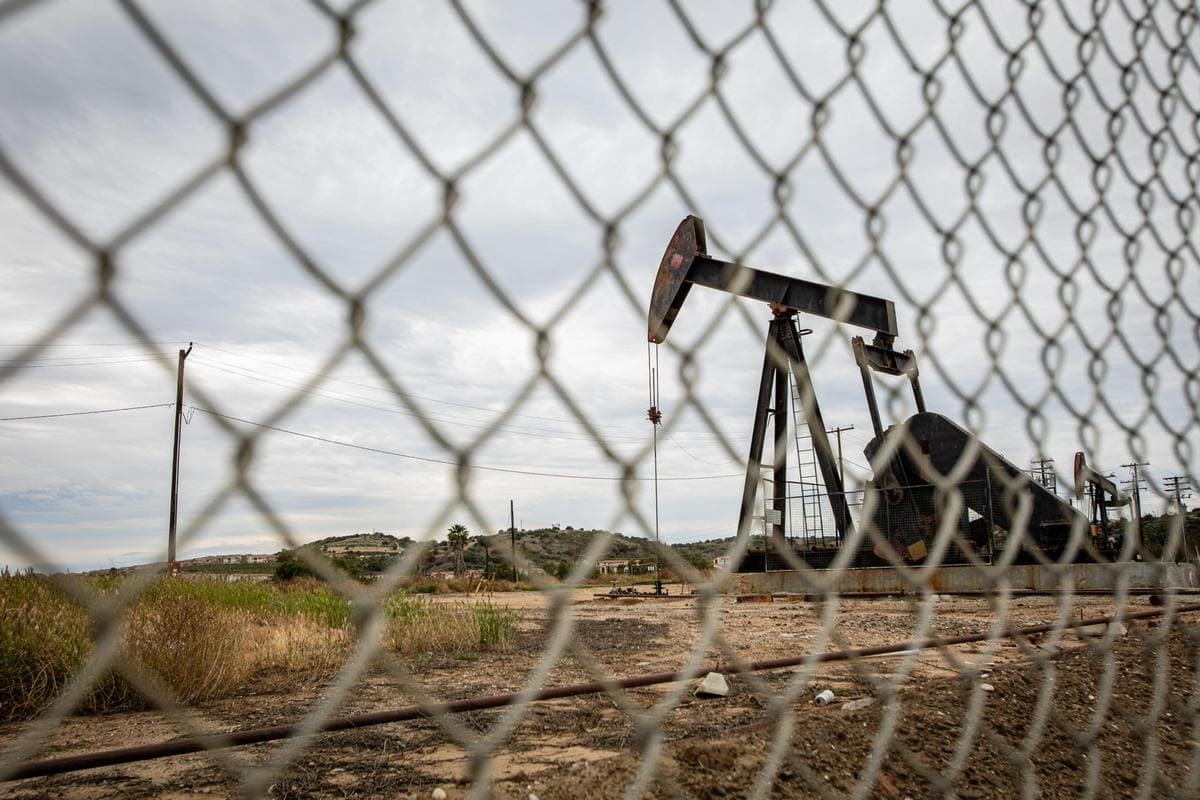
(389, 391)
(363, 402)
(83, 413)
(431, 460)
(100, 344)
(1180, 486)
(341, 397)
(1042, 471)
(92, 363)
(860, 466)
(635, 434)
(697, 458)
(366, 402)
(40, 359)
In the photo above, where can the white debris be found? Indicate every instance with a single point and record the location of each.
(1099, 630)
(533, 796)
(987, 687)
(824, 697)
(439, 794)
(713, 685)
(860, 703)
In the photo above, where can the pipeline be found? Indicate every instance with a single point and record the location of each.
(1155, 595)
(126, 755)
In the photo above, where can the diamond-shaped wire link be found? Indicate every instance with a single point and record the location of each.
(1065, 147)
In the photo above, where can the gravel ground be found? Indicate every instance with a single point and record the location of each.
(1043, 730)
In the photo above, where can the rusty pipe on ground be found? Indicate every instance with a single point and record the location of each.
(908, 594)
(126, 755)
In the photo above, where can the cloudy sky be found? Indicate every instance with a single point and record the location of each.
(493, 186)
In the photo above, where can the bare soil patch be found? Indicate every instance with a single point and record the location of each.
(917, 720)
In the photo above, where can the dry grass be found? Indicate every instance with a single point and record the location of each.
(43, 641)
(419, 626)
(198, 650)
(300, 645)
(203, 639)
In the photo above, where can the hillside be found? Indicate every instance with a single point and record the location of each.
(554, 550)
(549, 548)
(359, 544)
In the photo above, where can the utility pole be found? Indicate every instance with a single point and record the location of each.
(1135, 487)
(841, 464)
(172, 564)
(1178, 485)
(512, 533)
(1045, 477)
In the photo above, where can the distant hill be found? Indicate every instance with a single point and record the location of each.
(361, 544)
(549, 547)
(554, 550)
(707, 549)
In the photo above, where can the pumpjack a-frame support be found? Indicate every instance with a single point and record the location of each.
(784, 355)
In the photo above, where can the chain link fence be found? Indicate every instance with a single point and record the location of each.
(1021, 179)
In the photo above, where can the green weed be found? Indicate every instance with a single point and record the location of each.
(206, 638)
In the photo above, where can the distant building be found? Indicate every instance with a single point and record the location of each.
(359, 550)
(721, 562)
(624, 566)
(367, 544)
(236, 558)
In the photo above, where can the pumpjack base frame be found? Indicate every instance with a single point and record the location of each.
(951, 580)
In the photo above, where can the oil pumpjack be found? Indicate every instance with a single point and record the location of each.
(905, 501)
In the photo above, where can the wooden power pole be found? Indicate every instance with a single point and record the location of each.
(841, 464)
(172, 563)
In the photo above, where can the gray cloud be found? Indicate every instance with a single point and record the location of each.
(98, 122)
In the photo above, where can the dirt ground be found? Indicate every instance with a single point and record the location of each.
(1045, 724)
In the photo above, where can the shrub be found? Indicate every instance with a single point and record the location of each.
(496, 626)
(417, 625)
(196, 648)
(300, 646)
(206, 638)
(288, 566)
(43, 642)
(417, 585)
(201, 638)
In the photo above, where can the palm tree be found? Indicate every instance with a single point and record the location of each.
(457, 538)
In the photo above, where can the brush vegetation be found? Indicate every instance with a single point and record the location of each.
(206, 638)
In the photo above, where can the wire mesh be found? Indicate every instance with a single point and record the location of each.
(1021, 179)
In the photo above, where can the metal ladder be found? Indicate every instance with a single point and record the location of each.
(812, 518)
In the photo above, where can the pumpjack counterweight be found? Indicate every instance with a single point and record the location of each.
(908, 491)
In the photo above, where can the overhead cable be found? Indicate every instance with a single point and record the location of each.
(428, 459)
(84, 413)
